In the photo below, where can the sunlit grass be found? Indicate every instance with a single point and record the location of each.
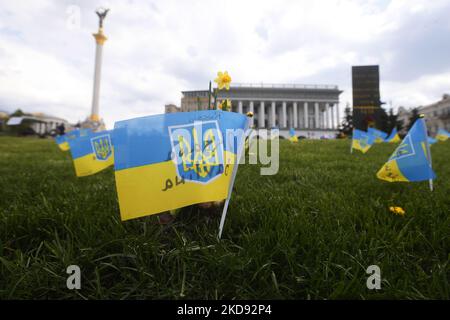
(308, 232)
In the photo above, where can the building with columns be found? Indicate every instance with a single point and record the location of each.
(312, 110)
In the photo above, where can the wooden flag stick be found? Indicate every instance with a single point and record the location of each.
(209, 96)
(351, 143)
(233, 177)
(430, 181)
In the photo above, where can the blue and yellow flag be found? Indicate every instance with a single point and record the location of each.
(92, 153)
(442, 135)
(169, 161)
(62, 143)
(379, 135)
(431, 140)
(393, 137)
(63, 140)
(410, 161)
(292, 136)
(362, 140)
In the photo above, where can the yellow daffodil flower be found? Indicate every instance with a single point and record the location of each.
(225, 105)
(397, 210)
(223, 80)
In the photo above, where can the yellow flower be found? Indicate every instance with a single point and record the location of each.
(397, 210)
(249, 114)
(223, 80)
(225, 105)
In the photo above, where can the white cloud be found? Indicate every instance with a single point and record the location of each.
(157, 49)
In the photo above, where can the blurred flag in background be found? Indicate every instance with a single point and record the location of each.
(62, 143)
(292, 136)
(379, 135)
(92, 152)
(442, 135)
(362, 140)
(431, 140)
(393, 137)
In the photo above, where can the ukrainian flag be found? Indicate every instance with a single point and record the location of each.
(62, 143)
(292, 136)
(362, 141)
(393, 137)
(63, 140)
(410, 161)
(92, 153)
(442, 135)
(379, 135)
(169, 161)
(431, 141)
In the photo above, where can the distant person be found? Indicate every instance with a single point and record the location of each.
(61, 129)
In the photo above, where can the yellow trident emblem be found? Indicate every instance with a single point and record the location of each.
(201, 155)
(102, 147)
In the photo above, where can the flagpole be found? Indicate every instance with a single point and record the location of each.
(430, 181)
(233, 177)
(209, 96)
(351, 142)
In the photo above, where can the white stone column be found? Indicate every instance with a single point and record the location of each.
(306, 115)
(250, 109)
(273, 122)
(333, 116)
(326, 116)
(284, 119)
(262, 115)
(330, 116)
(96, 91)
(316, 115)
(337, 115)
(294, 106)
(239, 106)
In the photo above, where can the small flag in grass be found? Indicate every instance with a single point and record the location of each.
(442, 135)
(292, 137)
(393, 137)
(379, 135)
(92, 152)
(411, 161)
(63, 140)
(169, 161)
(431, 141)
(361, 140)
(62, 143)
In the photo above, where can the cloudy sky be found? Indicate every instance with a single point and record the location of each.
(158, 48)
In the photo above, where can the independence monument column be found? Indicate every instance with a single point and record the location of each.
(100, 39)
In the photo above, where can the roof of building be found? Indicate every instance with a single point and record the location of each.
(444, 101)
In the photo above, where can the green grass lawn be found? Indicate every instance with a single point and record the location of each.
(308, 232)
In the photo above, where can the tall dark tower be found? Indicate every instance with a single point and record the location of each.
(366, 97)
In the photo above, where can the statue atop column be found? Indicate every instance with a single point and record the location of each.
(101, 12)
(94, 121)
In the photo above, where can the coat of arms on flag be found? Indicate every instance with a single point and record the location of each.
(405, 149)
(92, 153)
(198, 151)
(102, 147)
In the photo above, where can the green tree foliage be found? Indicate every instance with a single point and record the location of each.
(346, 127)
(414, 116)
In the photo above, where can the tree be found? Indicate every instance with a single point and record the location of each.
(383, 120)
(392, 121)
(17, 113)
(414, 116)
(346, 127)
